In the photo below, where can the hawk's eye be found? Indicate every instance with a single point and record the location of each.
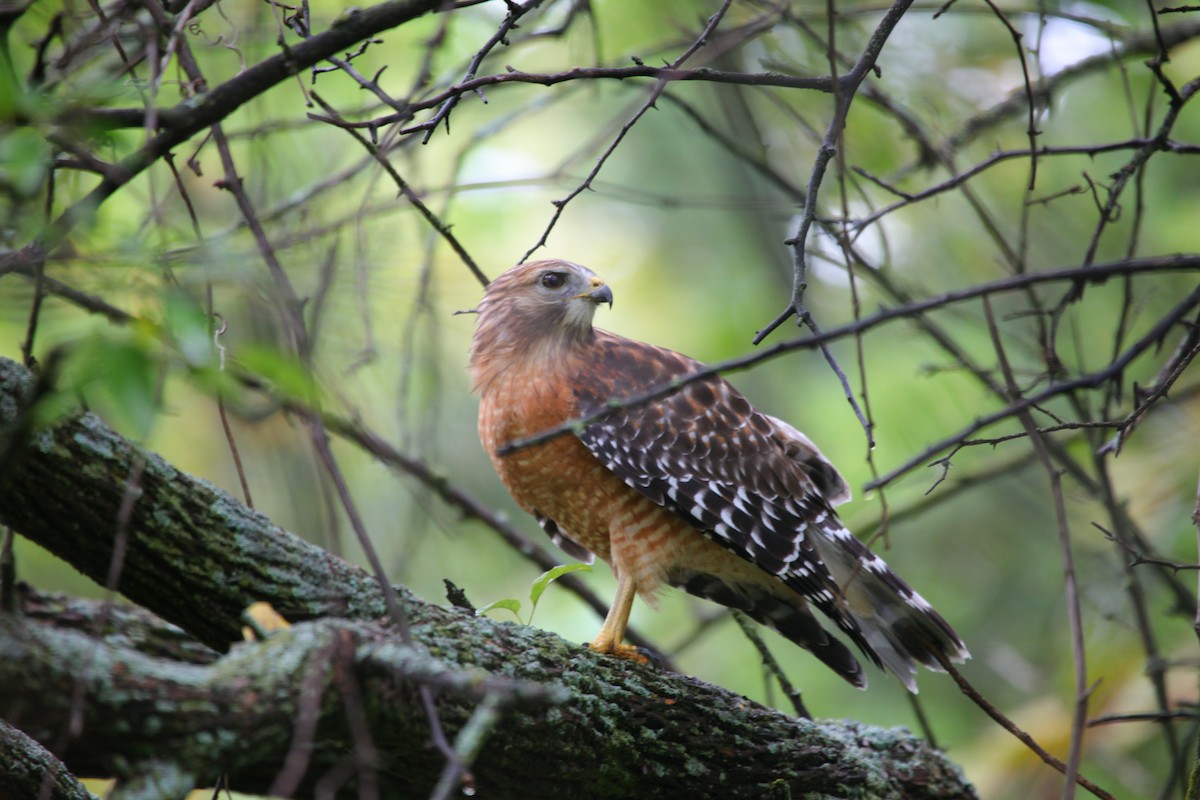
(553, 280)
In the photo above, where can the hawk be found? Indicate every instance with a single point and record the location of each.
(697, 490)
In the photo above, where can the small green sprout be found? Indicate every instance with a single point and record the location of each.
(536, 589)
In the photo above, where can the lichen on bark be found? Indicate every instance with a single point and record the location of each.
(570, 723)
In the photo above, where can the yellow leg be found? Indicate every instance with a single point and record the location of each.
(613, 630)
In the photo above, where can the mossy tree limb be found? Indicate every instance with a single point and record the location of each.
(30, 770)
(571, 723)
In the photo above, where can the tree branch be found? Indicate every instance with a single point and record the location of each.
(197, 557)
(192, 116)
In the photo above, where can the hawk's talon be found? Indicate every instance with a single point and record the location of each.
(625, 652)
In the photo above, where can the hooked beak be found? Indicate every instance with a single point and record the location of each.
(601, 294)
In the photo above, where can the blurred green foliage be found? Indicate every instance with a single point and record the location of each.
(687, 223)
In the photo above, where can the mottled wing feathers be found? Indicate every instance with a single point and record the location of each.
(705, 453)
(699, 461)
(761, 489)
(824, 475)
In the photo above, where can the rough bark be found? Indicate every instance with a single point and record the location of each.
(336, 699)
(30, 770)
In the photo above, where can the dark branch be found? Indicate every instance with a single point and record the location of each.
(220, 556)
(1098, 273)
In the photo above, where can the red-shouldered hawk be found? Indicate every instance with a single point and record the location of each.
(697, 490)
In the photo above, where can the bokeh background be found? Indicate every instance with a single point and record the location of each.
(687, 221)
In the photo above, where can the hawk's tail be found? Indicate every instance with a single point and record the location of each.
(784, 611)
(895, 626)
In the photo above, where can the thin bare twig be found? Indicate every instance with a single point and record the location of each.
(1086, 381)
(1193, 786)
(655, 93)
(515, 12)
(844, 90)
(916, 309)
(770, 664)
(440, 227)
(1000, 719)
(1074, 614)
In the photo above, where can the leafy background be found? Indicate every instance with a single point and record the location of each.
(687, 223)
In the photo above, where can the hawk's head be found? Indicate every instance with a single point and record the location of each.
(536, 308)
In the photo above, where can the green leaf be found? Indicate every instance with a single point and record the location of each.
(53, 407)
(511, 604)
(24, 161)
(287, 376)
(133, 385)
(118, 371)
(548, 577)
(187, 325)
